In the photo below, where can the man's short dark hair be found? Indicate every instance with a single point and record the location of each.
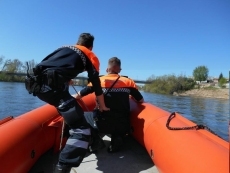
(86, 39)
(114, 61)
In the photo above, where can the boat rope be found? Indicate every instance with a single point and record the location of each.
(196, 127)
(80, 99)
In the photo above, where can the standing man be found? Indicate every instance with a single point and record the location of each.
(116, 122)
(52, 86)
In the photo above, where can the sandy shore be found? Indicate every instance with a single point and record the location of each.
(217, 93)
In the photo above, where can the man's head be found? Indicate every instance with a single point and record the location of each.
(86, 39)
(114, 66)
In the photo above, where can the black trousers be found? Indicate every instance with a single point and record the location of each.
(77, 144)
(109, 122)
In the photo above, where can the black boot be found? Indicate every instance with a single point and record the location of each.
(115, 144)
(62, 168)
(97, 143)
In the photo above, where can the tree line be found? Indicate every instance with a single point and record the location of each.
(14, 66)
(166, 84)
(200, 73)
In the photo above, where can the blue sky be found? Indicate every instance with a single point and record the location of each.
(151, 37)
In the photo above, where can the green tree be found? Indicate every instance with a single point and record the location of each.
(200, 73)
(222, 81)
(13, 66)
(5, 64)
(220, 76)
(168, 84)
(151, 78)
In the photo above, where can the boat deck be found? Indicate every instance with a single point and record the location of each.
(133, 158)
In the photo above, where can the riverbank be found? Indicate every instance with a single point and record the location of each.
(211, 93)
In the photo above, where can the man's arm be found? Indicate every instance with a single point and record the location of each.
(89, 89)
(86, 90)
(96, 84)
(135, 93)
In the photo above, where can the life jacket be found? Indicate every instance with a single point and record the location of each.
(122, 82)
(92, 57)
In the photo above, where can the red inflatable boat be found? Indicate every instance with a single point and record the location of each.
(26, 138)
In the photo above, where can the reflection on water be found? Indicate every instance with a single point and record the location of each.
(213, 113)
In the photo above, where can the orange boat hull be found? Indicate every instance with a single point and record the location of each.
(179, 151)
(175, 151)
(25, 138)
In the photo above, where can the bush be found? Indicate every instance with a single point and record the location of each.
(222, 81)
(169, 84)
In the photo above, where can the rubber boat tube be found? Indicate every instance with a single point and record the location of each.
(179, 151)
(25, 138)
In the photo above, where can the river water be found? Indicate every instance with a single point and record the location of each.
(213, 113)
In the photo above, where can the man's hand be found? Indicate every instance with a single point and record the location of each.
(103, 108)
(101, 103)
(78, 96)
(71, 82)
